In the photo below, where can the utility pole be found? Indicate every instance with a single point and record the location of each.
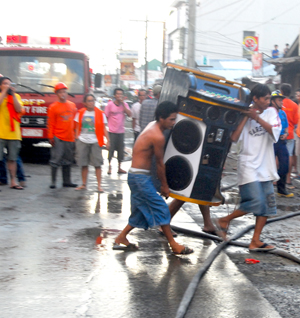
(146, 45)
(191, 34)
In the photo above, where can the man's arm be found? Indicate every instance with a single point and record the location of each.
(107, 138)
(236, 134)
(127, 111)
(50, 124)
(17, 105)
(160, 166)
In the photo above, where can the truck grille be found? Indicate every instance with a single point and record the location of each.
(34, 121)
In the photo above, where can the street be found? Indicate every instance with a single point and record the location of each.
(51, 265)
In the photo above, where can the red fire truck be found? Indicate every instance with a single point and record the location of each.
(35, 72)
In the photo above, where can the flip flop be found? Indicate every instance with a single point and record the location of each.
(100, 191)
(220, 231)
(185, 251)
(290, 186)
(262, 248)
(122, 247)
(17, 187)
(122, 172)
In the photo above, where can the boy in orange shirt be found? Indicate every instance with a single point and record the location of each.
(61, 134)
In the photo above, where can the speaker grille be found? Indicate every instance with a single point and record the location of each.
(186, 136)
(179, 173)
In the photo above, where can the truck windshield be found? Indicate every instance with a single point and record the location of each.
(32, 71)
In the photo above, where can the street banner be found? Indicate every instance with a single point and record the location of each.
(257, 64)
(127, 72)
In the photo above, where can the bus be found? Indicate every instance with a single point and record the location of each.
(35, 71)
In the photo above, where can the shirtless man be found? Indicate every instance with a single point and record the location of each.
(148, 209)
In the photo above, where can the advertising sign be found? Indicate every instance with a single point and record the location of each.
(128, 56)
(127, 72)
(250, 43)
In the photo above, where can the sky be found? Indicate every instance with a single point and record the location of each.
(98, 28)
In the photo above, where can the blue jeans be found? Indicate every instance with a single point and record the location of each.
(258, 197)
(148, 208)
(20, 170)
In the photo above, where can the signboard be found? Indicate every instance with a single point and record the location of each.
(127, 72)
(250, 43)
(128, 56)
(257, 64)
(107, 80)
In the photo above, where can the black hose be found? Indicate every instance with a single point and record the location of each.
(190, 292)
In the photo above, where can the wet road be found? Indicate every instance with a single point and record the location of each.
(51, 265)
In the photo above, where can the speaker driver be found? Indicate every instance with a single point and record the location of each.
(213, 113)
(186, 136)
(231, 117)
(179, 173)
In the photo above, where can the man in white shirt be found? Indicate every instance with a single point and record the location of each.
(256, 134)
(136, 107)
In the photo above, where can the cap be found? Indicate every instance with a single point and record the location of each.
(156, 89)
(277, 94)
(59, 86)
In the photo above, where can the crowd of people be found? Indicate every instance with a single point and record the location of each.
(268, 153)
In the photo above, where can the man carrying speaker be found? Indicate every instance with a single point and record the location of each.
(148, 208)
(256, 134)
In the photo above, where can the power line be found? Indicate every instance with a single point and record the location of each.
(238, 13)
(257, 25)
(230, 4)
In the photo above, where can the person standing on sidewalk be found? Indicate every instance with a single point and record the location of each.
(256, 133)
(280, 148)
(90, 133)
(136, 108)
(116, 112)
(11, 110)
(148, 208)
(291, 110)
(61, 134)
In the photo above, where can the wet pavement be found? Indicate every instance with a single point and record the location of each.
(51, 265)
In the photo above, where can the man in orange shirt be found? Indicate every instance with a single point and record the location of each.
(291, 110)
(61, 134)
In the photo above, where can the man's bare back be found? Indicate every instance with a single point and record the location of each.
(150, 142)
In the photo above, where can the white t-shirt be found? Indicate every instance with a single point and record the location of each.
(256, 158)
(136, 108)
(87, 133)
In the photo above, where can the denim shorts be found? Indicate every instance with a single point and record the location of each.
(148, 208)
(258, 198)
(290, 144)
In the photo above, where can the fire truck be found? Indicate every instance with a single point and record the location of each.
(35, 71)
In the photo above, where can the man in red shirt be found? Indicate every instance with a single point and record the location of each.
(291, 110)
(61, 134)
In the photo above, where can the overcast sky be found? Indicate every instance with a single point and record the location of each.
(97, 27)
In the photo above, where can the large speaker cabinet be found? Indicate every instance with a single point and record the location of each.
(210, 108)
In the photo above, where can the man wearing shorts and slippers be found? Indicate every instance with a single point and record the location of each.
(11, 110)
(256, 134)
(90, 131)
(148, 208)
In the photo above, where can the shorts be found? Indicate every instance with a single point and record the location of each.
(116, 143)
(13, 148)
(148, 208)
(258, 198)
(62, 153)
(290, 144)
(88, 154)
(297, 145)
